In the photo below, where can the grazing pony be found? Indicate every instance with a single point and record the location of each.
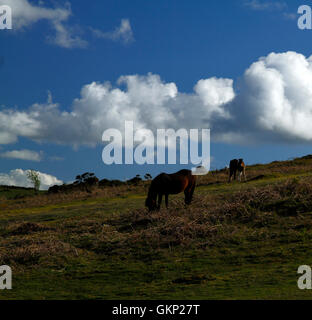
(237, 165)
(165, 184)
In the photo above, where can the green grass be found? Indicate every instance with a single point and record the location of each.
(17, 192)
(236, 241)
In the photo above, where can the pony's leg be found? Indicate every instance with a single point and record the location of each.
(159, 200)
(232, 173)
(186, 198)
(190, 196)
(166, 199)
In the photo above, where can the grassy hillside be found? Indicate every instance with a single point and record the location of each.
(8, 192)
(236, 241)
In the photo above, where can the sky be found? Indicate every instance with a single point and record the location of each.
(70, 70)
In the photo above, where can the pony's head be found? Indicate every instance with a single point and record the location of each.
(150, 203)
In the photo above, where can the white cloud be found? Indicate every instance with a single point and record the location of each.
(18, 177)
(65, 37)
(26, 14)
(22, 155)
(265, 5)
(122, 33)
(15, 123)
(276, 97)
(214, 93)
(290, 16)
(273, 103)
(146, 100)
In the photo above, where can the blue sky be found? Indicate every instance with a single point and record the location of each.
(48, 60)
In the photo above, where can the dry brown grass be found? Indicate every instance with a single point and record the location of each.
(29, 251)
(25, 228)
(209, 221)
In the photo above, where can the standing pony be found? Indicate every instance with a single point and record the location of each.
(165, 184)
(237, 165)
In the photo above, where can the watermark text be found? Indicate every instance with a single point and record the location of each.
(143, 147)
(5, 278)
(5, 17)
(304, 281)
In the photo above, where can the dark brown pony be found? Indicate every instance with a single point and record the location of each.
(166, 184)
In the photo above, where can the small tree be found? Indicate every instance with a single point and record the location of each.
(33, 177)
(84, 177)
(148, 176)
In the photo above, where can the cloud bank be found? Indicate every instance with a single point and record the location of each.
(273, 102)
(18, 177)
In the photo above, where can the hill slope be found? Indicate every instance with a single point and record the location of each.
(236, 241)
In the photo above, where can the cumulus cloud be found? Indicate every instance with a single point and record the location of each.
(15, 123)
(22, 155)
(275, 100)
(146, 100)
(18, 178)
(215, 93)
(273, 103)
(122, 33)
